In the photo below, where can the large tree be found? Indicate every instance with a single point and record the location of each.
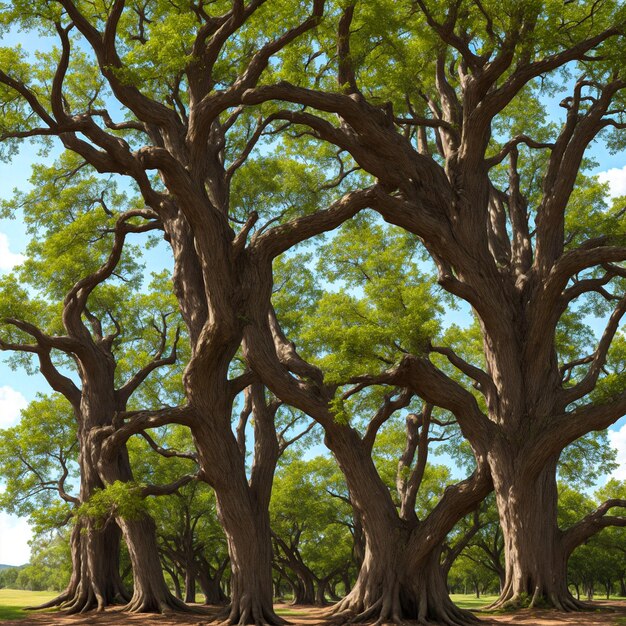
(113, 339)
(445, 104)
(174, 77)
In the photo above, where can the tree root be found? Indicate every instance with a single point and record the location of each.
(248, 612)
(388, 609)
(558, 601)
(149, 604)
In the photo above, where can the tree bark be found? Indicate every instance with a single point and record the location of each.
(150, 591)
(401, 577)
(535, 562)
(95, 582)
(190, 584)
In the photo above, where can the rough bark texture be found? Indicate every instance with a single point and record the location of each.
(95, 582)
(536, 564)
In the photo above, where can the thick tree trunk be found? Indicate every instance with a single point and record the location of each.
(535, 562)
(150, 593)
(95, 582)
(393, 589)
(243, 511)
(320, 592)
(211, 588)
(304, 590)
(250, 549)
(399, 579)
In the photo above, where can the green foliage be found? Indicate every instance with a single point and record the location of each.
(32, 456)
(119, 499)
(379, 307)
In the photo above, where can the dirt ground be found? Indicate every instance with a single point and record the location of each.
(610, 613)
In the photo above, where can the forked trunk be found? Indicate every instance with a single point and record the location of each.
(393, 589)
(304, 591)
(399, 579)
(211, 588)
(535, 562)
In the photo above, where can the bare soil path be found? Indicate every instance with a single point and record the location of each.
(609, 613)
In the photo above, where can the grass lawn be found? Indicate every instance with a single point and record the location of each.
(12, 601)
(471, 601)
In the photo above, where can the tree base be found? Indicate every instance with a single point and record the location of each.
(142, 603)
(248, 612)
(560, 601)
(391, 607)
(81, 601)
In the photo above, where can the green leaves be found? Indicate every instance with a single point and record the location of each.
(119, 499)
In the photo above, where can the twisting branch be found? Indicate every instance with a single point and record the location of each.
(389, 407)
(244, 416)
(129, 423)
(170, 488)
(417, 440)
(158, 361)
(592, 524)
(345, 75)
(484, 382)
(513, 143)
(276, 240)
(588, 383)
(76, 298)
(167, 452)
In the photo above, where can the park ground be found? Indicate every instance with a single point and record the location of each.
(609, 613)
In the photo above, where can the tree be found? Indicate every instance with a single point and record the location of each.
(350, 332)
(93, 319)
(312, 545)
(190, 538)
(494, 201)
(175, 121)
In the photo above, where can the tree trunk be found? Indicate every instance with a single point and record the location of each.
(244, 515)
(304, 590)
(190, 584)
(535, 562)
(622, 586)
(211, 588)
(400, 578)
(150, 592)
(250, 549)
(95, 582)
(393, 588)
(178, 592)
(320, 592)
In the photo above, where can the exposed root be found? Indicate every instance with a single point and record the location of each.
(563, 601)
(141, 603)
(388, 609)
(248, 612)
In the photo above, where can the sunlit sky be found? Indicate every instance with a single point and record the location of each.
(17, 389)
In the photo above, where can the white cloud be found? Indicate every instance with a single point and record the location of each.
(11, 403)
(616, 178)
(8, 259)
(618, 441)
(14, 536)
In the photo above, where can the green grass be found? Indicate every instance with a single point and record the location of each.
(12, 602)
(471, 601)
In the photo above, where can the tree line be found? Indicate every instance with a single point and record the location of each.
(324, 183)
